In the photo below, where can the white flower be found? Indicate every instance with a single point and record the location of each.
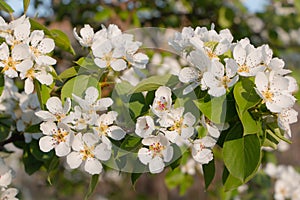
(40, 47)
(57, 112)
(90, 105)
(162, 102)
(20, 30)
(87, 36)
(58, 137)
(218, 80)
(190, 167)
(285, 118)
(194, 75)
(201, 149)
(9, 194)
(181, 41)
(157, 154)
(27, 119)
(5, 179)
(212, 128)
(88, 152)
(248, 58)
(144, 126)
(18, 59)
(106, 56)
(274, 91)
(178, 127)
(104, 126)
(282, 190)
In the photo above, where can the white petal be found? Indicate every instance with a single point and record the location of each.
(217, 91)
(45, 115)
(103, 103)
(46, 143)
(36, 37)
(11, 73)
(156, 165)
(4, 51)
(77, 143)
(102, 152)
(74, 160)
(24, 66)
(20, 52)
(190, 88)
(239, 54)
(45, 60)
(213, 131)
(168, 153)
(188, 74)
(54, 105)
(116, 133)
(22, 32)
(93, 166)
(100, 63)
(144, 155)
(28, 86)
(48, 127)
(91, 95)
(62, 149)
(231, 67)
(118, 65)
(46, 79)
(254, 58)
(187, 132)
(46, 45)
(210, 80)
(261, 81)
(217, 68)
(100, 49)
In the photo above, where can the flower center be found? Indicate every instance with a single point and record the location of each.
(9, 64)
(162, 104)
(87, 152)
(60, 135)
(35, 51)
(102, 129)
(59, 116)
(156, 149)
(30, 73)
(268, 95)
(224, 81)
(243, 68)
(178, 125)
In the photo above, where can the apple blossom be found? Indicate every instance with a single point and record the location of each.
(157, 154)
(58, 137)
(162, 102)
(285, 118)
(201, 149)
(144, 126)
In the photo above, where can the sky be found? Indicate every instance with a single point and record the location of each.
(252, 5)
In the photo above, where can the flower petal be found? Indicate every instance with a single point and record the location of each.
(116, 133)
(102, 152)
(93, 166)
(156, 165)
(74, 160)
(46, 143)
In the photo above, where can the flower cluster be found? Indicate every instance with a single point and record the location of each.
(173, 127)
(81, 134)
(5, 180)
(217, 63)
(112, 48)
(287, 181)
(25, 54)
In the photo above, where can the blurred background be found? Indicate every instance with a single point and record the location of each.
(273, 22)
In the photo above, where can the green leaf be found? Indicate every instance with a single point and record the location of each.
(68, 73)
(5, 127)
(230, 182)
(134, 177)
(35, 25)
(92, 186)
(209, 172)
(131, 143)
(62, 41)
(2, 83)
(5, 7)
(217, 109)
(241, 154)
(33, 129)
(77, 86)
(246, 98)
(245, 94)
(43, 93)
(37, 153)
(31, 164)
(25, 5)
(154, 82)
